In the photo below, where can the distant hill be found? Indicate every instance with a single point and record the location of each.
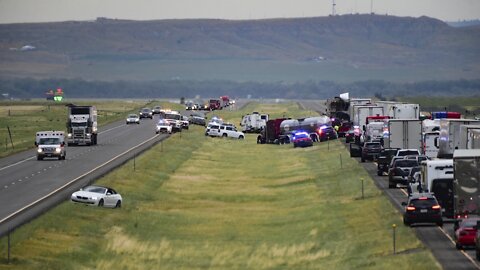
(464, 23)
(338, 48)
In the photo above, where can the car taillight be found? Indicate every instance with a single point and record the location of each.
(436, 207)
(410, 208)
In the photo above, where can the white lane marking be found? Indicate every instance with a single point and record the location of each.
(453, 241)
(24, 160)
(73, 180)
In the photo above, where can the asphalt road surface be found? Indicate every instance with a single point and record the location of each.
(29, 187)
(438, 240)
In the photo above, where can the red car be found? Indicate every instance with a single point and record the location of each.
(465, 233)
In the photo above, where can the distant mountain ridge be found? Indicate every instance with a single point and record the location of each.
(355, 41)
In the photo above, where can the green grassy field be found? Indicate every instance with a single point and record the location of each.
(24, 118)
(196, 202)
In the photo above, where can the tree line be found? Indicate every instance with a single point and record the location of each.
(24, 88)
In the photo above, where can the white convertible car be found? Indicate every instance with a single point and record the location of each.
(97, 196)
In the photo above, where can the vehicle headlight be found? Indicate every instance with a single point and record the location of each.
(69, 135)
(88, 134)
(94, 129)
(39, 150)
(58, 150)
(94, 198)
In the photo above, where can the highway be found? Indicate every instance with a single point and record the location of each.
(438, 240)
(29, 187)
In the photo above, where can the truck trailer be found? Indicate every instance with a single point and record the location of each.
(450, 135)
(254, 123)
(469, 137)
(82, 125)
(466, 182)
(404, 134)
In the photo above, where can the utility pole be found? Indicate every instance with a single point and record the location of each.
(333, 7)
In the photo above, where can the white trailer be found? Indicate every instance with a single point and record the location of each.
(400, 110)
(450, 135)
(466, 182)
(361, 112)
(254, 122)
(357, 102)
(437, 177)
(404, 134)
(431, 144)
(469, 137)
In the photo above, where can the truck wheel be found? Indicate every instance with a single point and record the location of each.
(39, 158)
(362, 159)
(390, 185)
(224, 135)
(259, 140)
(63, 158)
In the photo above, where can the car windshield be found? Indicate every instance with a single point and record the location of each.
(132, 116)
(374, 145)
(423, 203)
(49, 141)
(406, 163)
(146, 110)
(469, 223)
(301, 136)
(408, 152)
(95, 189)
(173, 116)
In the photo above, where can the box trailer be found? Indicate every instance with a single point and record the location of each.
(469, 137)
(466, 182)
(450, 135)
(404, 134)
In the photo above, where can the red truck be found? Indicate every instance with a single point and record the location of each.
(272, 132)
(225, 101)
(214, 104)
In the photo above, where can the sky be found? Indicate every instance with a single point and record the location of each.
(18, 11)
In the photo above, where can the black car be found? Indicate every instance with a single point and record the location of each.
(422, 208)
(384, 159)
(146, 113)
(371, 150)
(398, 173)
(327, 133)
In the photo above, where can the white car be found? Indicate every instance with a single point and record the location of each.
(133, 119)
(97, 196)
(163, 126)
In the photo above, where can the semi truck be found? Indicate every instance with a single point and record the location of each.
(404, 134)
(214, 104)
(466, 182)
(82, 125)
(272, 132)
(50, 144)
(437, 177)
(449, 139)
(469, 137)
(254, 123)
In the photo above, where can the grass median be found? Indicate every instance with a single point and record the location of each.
(197, 202)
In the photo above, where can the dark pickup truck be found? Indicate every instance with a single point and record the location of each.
(384, 159)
